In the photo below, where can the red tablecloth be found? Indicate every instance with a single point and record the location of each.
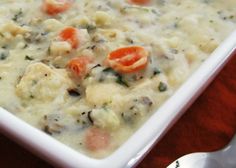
(208, 125)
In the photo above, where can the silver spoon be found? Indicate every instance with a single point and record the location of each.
(225, 158)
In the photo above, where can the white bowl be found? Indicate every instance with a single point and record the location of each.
(136, 147)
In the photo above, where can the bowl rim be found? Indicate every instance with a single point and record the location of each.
(140, 143)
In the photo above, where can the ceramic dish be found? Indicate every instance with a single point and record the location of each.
(133, 150)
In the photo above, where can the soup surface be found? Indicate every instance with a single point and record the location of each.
(89, 73)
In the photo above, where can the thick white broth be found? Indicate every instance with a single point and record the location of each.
(96, 112)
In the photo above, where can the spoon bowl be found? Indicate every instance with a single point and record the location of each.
(225, 158)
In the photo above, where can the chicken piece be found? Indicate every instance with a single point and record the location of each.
(42, 83)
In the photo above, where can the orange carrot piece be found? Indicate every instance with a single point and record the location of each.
(140, 2)
(70, 34)
(79, 65)
(128, 59)
(54, 7)
(96, 139)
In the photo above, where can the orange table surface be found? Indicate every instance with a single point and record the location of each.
(207, 125)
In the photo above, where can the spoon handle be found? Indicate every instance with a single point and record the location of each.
(232, 146)
(229, 153)
(233, 142)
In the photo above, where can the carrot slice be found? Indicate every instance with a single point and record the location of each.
(96, 139)
(70, 34)
(140, 2)
(79, 65)
(54, 7)
(128, 59)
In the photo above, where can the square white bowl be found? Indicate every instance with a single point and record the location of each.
(138, 145)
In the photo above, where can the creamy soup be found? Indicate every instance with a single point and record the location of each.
(90, 72)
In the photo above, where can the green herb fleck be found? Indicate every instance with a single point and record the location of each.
(17, 15)
(90, 117)
(109, 70)
(31, 96)
(137, 8)
(28, 58)
(90, 28)
(25, 46)
(119, 78)
(87, 76)
(4, 47)
(73, 92)
(121, 81)
(96, 66)
(162, 87)
(49, 50)
(156, 72)
(34, 82)
(4, 55)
